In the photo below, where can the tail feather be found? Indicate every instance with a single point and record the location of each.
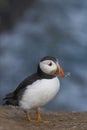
(10, 100)
(8, 96)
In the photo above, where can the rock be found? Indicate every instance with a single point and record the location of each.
(10, 11)
(13, 118)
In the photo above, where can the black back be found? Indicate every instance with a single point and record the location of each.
(14, 97)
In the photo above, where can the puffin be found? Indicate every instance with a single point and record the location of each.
(37, 89)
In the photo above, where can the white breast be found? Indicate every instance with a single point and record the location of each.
(39, 93)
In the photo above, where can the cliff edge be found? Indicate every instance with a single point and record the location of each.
(14, 118)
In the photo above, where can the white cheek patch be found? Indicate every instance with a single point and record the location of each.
(44, 66)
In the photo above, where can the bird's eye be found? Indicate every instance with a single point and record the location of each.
(50, 64)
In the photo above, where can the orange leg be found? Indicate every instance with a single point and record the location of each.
(39, 118)
(29, 118)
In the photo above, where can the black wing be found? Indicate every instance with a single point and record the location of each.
(14, 97)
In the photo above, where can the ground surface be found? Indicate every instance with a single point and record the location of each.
(14, 119)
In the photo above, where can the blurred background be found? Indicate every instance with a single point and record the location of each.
(32, 29)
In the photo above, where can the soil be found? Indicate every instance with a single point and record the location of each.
(14, 119)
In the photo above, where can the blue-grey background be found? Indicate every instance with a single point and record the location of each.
(50, 27)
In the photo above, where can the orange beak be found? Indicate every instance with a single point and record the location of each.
(61, 72)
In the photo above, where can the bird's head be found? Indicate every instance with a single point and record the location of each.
(50, 66)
